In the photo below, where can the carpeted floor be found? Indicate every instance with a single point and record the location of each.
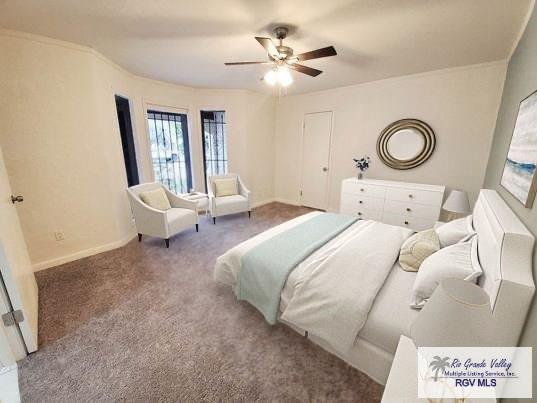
(146, 323)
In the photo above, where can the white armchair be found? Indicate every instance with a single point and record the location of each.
(220, 206)
(162, 224)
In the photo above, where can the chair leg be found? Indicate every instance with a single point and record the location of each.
(214, 220)
(197, 228)
(249, 214)
(139, 237)
(167, 240)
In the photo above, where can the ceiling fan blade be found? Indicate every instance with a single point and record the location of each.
(269, 47)
(305, 69)
(317, 54)
(241, 63)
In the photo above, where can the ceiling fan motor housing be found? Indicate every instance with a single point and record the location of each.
(285, 51)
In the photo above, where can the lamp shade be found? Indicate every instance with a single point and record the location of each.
(458, 314)
(457, 202)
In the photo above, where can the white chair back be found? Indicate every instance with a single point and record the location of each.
(135, 191)
(211, 179)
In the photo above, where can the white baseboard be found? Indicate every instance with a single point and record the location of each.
(287, 201)
(278, 200)
(46, 264)
(262, 203)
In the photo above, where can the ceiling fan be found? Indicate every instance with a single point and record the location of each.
(283, 58)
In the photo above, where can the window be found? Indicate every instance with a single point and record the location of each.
(213, 129)
(168, 134)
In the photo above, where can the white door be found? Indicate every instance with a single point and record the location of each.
(315, 159)
(17, 276)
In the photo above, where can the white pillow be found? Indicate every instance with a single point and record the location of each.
(226, 187)
(455, 231)
(455, 261)
(156, 198)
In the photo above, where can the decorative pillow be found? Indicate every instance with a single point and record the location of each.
(455, 261)
(226, 187)
(455, 231)
(156, 198)
(417, 248)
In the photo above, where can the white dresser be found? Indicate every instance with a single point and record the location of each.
(411, 205)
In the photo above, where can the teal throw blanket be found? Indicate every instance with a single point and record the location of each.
(264, 268)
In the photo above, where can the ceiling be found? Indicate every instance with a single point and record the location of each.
(187, 42)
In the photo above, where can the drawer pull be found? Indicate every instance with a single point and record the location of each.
(406, 222)
(362, 189)
(408, 209)
(361, 202)
(410, 196)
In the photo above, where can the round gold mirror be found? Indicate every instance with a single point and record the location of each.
(406, 144)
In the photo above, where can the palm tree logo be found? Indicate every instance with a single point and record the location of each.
(439, 364)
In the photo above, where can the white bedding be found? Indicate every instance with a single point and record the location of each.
(390, 315)
(334, 294)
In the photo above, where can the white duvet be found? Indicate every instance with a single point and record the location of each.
(337, 284)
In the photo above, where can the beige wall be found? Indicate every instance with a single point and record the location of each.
(55, 153)
(521, 81)
(59, 133)
(459, 104)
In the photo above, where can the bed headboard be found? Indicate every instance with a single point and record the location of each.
(505, 249)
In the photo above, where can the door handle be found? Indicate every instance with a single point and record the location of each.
(325, 169)
(15, 199)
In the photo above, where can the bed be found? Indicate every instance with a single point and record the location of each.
(504, 249)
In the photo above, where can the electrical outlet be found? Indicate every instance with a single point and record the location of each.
(59, 236)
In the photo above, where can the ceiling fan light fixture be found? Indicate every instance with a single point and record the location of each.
(271, 77)
(284, 77)
(279, 75)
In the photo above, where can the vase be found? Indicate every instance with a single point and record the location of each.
(360, 175)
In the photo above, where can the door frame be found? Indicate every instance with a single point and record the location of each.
(22, 329)
(138, 148)
(134, 140)
(330, 148)
(7, 357)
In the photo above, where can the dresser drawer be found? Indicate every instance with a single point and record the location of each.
(414, 195)
(366, 214)
(358, 200)
(411, 209)
(414, 223)
(363, 189)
